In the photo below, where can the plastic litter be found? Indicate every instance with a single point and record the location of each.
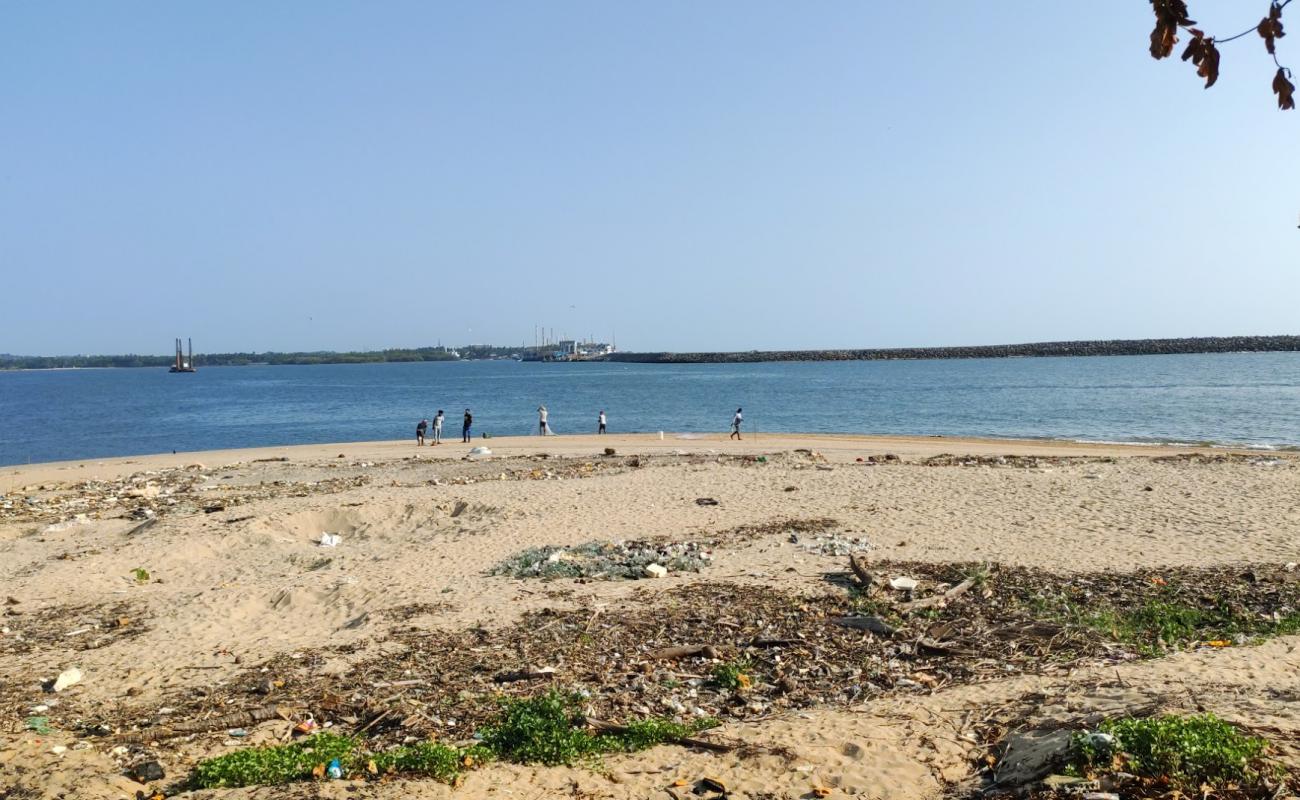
(335, 769)
(330, 540)
(69, 677)
(656, 571)
(903, 584)
(481, 451)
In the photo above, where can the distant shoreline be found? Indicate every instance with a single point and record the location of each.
(1096, 347)
(1100, 347)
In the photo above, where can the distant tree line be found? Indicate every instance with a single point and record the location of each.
(1112, 347)
(230, 359)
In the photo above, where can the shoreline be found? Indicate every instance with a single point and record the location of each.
(835, 446)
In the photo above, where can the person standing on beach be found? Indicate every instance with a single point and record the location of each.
(419, 432)
(465, 426)
(541, 421)
(437, 428)
(600, 422)
(735, 424)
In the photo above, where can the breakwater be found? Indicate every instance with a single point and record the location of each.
(1108, 347)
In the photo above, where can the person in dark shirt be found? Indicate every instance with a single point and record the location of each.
(419, 432)
(465, 427)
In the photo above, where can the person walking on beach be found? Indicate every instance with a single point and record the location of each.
(465, 426)
(419, 432)
(541, 421)
(600, 422)
(437, 428)
(735, 424)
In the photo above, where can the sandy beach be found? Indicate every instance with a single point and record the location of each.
(240, 592)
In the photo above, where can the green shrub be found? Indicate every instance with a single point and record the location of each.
(429, 759)
(733, 675)
(1189, 751)
(546, 729)
(272, 765)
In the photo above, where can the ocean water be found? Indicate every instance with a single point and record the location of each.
(1241, 399)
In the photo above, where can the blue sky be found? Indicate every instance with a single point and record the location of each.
(744, 175)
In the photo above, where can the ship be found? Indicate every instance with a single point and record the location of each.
(183, 364)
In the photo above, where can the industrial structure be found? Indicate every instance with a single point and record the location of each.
(183, 363)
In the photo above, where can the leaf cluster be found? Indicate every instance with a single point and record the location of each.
(1203, 52)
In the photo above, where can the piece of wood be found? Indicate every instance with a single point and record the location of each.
(775, 642)
(684, 651)
(142, 527)
(859, 568)
(937, 599)
(927, 645)
(874, 625)
(239, 719)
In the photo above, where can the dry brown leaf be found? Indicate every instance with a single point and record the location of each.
(1270, 27)
(1170, 15)
(1284, 89)
(1202, 52)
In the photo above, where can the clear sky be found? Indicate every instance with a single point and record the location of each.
(720, 175)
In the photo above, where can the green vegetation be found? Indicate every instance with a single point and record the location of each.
(733, 675)
(1171, 619)
(278, 764)
(429, 759)
(1188, 752)
(544, 729)
(140, 574)
(547, 729)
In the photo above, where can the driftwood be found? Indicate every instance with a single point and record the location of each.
(927, 645)
(142, 527)
(600, 726)
(237, 720)
(775, 642)
(860, 570)
(685, 651)
(875, 625)
(938, 599)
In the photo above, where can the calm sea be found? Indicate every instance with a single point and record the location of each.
(1245, 399)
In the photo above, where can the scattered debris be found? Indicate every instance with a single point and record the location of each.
(147, 772)
(607, 560)
(832, 544)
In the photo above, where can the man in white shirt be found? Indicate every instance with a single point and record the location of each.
(735, 424)
(601, 422)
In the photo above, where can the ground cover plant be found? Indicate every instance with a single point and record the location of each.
(546, 729)
(1189, 754)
